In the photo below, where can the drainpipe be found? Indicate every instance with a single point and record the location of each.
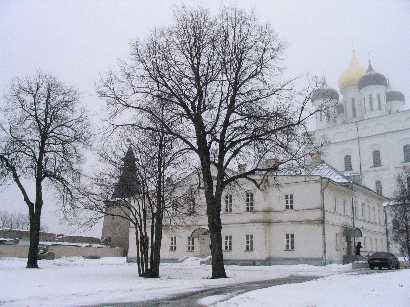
(322, 203)
(387, 229)
(360, 154)
(353, 217)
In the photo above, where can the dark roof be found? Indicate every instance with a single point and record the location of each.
(394, 96)
(127, 184)
(324, 93)
(372, 78)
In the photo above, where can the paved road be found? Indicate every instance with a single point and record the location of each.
(215, 294)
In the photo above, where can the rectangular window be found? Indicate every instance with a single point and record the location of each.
(228, 203)
(348, 162)
(173, 245)
(290, 241)
(363, 209)
(249, 243)
(288, 201)
(191, 244)
(249, 202)
(228, 243)
(335, 205)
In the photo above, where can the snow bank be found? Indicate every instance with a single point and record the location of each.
(346, 290)
(78, 281)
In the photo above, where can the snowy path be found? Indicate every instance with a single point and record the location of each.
(213, 295)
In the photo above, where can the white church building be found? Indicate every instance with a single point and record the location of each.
(366, 135)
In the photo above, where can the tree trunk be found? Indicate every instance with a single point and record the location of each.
(215, 227)
(138, 251)
(156, 253)
(34, 238)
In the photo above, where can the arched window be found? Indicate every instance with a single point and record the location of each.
(371, 102)
(376, 158)
(406, 153)
(353, 107)
(379, 102)
(379, 188)
(348, 162)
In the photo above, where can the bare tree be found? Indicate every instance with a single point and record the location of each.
(16, 221)
(142, 189)
(41, 143)
(401, 212)
(221, 81)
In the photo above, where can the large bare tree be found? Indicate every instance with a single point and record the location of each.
(41, 143)
(220, 77)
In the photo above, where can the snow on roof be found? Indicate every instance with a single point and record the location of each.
(72, 244)
(327, 171)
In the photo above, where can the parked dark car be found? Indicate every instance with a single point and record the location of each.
(383, 260)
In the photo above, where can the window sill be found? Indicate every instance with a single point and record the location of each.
(227, 251)
(249, 251)
(289, 250)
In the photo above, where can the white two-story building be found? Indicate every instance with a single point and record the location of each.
(315, 218)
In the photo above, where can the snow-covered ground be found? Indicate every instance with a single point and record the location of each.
(78, 281)
(390, 289)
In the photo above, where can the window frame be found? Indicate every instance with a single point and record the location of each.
(173, 244)
(379, 187)
(289, 241)
(289, 201)
(228, 203)
(348, 163)
(249, 247)
(376, 158)
(406, 153)
(228, 243)
(371, 103)
(249, 201)
(191, 244)
(379, 102)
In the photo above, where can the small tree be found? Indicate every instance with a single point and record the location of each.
(401, 212)
(41, 143)
(220, 80)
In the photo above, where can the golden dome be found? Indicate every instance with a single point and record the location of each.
(352, 74)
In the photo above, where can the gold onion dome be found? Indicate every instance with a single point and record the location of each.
(352, 75)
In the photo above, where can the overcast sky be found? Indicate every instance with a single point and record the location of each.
(77, 40)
